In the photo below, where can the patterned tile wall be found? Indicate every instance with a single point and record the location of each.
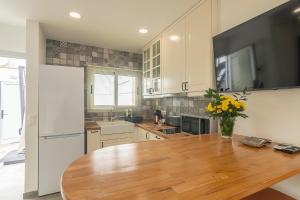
(176, 106)
(72, 54)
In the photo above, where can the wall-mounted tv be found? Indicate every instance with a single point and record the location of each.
(262, 53)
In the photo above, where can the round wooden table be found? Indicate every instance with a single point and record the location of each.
(194, 167)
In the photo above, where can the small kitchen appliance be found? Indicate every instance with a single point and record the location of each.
(157, 116)
(173, 121)
(195, 125)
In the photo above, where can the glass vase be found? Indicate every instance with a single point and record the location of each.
(227, 126)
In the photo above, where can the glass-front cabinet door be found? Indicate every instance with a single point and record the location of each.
(152, 68)
(147, 81)
(156, 67)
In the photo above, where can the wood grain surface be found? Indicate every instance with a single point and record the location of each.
(187, 168)
(91, 126)
(154, 128)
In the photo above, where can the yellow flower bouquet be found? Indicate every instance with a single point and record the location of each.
(226, 108)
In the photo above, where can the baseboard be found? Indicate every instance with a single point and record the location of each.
(30, 195)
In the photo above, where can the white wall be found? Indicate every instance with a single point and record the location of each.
(235, 12)
(35, 55)
(12, 40)
(272, 114)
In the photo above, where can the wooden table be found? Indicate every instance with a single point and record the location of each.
(189, 168)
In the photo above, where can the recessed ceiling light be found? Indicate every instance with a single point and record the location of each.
(297, 10)
(143, 31)
(174, 37)
(75, 15)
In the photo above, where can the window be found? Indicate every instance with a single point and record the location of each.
(126, 91)
(113, 88)
(104, 90)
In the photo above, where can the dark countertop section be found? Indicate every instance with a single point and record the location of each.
(154, 128)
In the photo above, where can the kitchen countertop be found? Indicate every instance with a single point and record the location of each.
(147, 125)
(91, 126)
(202, 167)
(154, 128)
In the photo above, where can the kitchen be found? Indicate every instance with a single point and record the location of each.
(157, 78)
(119, 107)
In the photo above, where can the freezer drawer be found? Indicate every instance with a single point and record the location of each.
(55, 154)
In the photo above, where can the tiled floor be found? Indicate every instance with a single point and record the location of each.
(5, 148)
(12, 179)
(11, 176)
(12, 184)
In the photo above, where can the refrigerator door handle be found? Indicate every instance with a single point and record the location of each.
(60, 136)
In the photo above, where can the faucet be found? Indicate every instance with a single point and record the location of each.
(113, 118)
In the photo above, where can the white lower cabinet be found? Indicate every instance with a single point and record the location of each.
(107, 143)
(97, 140)
(107, 140)
(93, 140)
(152, 136)
(144, 135)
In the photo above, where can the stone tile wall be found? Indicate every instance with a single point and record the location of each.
(176, 106)
(72, 54)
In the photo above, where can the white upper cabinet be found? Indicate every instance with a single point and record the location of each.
(174, 42)
(185, 59)
(199, 70)
(152, 68)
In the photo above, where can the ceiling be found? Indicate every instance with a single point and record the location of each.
(106, 23)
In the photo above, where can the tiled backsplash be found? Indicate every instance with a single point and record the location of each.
(176, 105)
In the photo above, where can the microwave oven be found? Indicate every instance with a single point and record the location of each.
(195, 125)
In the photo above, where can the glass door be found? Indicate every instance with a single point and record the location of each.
(156, 69)
(11, 99)
(147, 80)
(10, 112)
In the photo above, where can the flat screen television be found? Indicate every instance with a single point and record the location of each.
(262, 53)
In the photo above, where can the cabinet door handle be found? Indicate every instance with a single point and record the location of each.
(182, 86)
(102, 144)
(186, 86)
(92, 89)
(147, 136)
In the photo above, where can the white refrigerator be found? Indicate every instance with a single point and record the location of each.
(61, 123)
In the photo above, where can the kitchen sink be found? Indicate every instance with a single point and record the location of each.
(112, 127)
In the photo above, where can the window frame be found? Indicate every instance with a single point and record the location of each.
(91, 70)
